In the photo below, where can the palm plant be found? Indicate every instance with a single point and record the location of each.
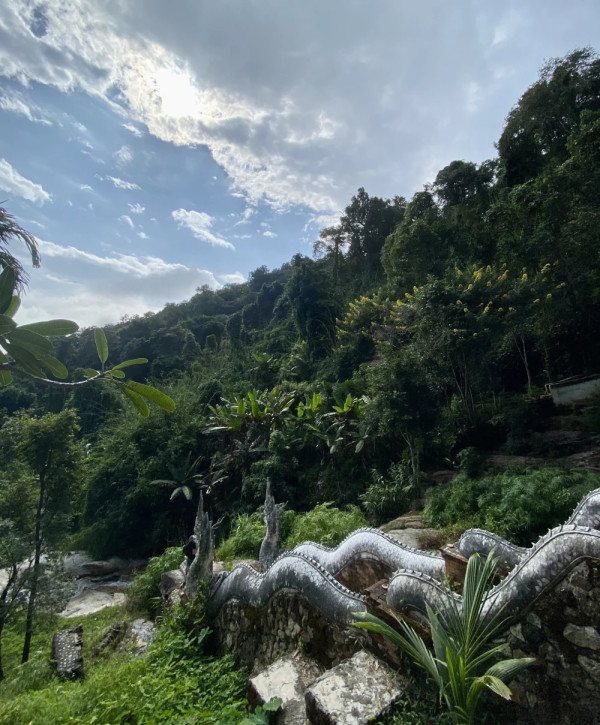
(183, 475)
(464, 662)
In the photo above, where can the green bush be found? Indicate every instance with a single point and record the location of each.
(520, 506)
(325, 525)
(244, 541)
(144, 594)
(390, 495)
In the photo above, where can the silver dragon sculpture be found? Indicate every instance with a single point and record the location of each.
(416, 576)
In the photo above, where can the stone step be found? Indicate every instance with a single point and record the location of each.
(353, 693)
(288, 679)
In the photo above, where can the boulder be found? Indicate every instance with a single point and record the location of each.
(288, 679)
(353, 693)
(170, 581)
(67, 652)
(142, 633)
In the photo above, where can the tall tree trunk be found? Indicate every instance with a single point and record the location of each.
(523, 353)
(36, 568)
(14, 572)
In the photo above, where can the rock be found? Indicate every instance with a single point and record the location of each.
(356, 691)
(91, 601)
(142, 633)
(288, 679)
(111, 638)
(67, 652)
(79, 565)
(590, 667)
(587, 637)
(170, 580)
(419, 538)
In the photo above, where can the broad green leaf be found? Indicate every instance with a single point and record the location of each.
(101, 344)
(127, 363)
(52, 328)
(24, 359)
(138, 401)
(8, 282)
(507, 669)
(54, 365)
(152, 394)
(496, 685)
(5, 377)
(360, 445)
(6, 324)
(89, 373)
(274, 704)
(30, 341)
(116, 373)
(14, 305)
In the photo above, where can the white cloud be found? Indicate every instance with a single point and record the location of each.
(121, 184)
(127, 220)
(14, 183)
(85, 187)
(136, 208)
(199, 224)
(234, 278)
(294, 116)
(96, 290)
(133, 129)
(142, 235)
(123, 156)
(247, 214)
(269, 234)
(16, 103)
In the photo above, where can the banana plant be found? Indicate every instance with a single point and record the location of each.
(26, 350)
(464, 662)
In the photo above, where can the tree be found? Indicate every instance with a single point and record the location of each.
(10, 231)
(26, 350)
(14, 549)
(46, 462)
(538, 127)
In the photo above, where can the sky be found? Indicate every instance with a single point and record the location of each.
(154, 147)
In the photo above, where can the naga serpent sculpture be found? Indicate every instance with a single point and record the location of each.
(479, 541)
(374, 545)
(290, 571)
(546, 563)
(310, 569)
(202, 565)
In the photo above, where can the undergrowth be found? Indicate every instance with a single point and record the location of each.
(175, 682)
(520, 506)
(324, 524)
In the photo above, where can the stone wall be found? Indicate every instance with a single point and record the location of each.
(260, 636)
(562, 632)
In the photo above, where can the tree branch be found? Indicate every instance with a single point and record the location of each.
(54, 383)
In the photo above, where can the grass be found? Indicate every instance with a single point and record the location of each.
(176, 682)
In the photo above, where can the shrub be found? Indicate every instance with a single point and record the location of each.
(144, 593)
(520, 506)
(325, 525)
(244, 541)
(390, 495)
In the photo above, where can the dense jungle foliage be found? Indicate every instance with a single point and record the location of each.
(418, 336)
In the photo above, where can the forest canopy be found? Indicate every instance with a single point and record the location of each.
(420, 330)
